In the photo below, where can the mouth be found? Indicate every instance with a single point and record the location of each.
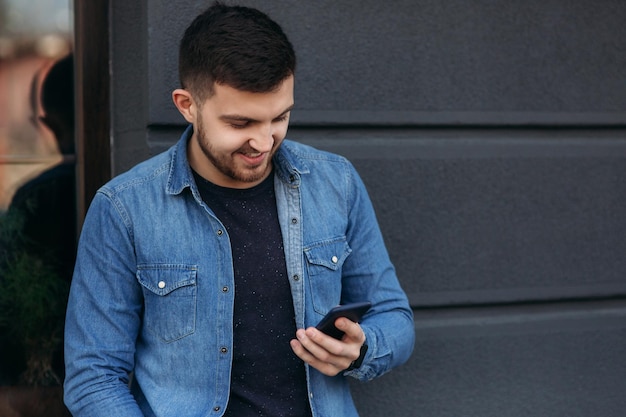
(253, 158)
(252, 154)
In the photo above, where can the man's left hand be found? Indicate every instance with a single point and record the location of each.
(327, 354)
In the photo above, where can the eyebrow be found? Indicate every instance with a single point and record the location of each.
(240, 118)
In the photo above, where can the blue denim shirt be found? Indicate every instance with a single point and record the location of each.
(152, 293)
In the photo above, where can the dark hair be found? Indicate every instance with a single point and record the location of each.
(57, 102)
(236, 46)
(57, 90)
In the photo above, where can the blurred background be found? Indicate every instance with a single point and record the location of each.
(33, 34)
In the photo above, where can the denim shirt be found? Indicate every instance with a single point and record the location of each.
(152, 293)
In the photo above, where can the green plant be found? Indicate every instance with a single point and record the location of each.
(32, 302)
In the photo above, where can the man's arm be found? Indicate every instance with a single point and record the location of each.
(103, 317)
(367, 275)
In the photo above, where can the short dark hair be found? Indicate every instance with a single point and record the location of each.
(57, 90)
(236, 46)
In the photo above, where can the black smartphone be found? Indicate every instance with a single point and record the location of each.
(352, 311)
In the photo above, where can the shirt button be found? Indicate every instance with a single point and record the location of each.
(296, 277)
(216, 408)
(223, 350)
(334, 259)
(161, 284)
(220, 232)
(294, 221)
(224, 289)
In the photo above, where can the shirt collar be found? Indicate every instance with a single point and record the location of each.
(180, 175)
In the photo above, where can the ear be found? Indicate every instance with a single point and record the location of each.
(185, 104)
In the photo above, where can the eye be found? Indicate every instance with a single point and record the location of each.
(239, 125)
(282, 118)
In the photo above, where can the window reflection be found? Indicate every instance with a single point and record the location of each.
(37, 197)
(31, 39)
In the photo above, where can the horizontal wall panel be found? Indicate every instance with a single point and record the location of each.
(476, 62)
(475, 217)
(319, 118)
(554, 360)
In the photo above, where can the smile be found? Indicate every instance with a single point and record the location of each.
(253, 158)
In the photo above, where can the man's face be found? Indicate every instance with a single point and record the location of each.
(236, 133)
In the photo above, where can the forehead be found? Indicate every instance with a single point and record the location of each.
(228, 100)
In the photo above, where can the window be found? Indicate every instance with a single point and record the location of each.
(37, 187)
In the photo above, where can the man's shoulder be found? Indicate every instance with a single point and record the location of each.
(306, 153)
(155, 168)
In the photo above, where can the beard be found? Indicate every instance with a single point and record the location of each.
(227, 163)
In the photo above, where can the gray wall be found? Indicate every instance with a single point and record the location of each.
(491, 136)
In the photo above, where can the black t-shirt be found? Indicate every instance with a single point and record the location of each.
(267, 379)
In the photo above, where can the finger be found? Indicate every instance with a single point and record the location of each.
(339, 353)
(322, 346)
(352, 330)
(324, 367)
(300, 351)
(324, 349)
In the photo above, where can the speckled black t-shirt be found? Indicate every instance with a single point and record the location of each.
(267, 379)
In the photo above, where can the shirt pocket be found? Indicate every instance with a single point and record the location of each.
(325, 261)
(170, 294)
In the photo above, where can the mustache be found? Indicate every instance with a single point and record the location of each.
(247, 149)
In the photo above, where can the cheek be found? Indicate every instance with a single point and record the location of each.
(221, 140)
(280, 132)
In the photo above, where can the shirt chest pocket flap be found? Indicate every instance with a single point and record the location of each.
(324, 263)
(170, 293)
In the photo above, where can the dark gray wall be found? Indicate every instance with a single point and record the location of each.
(491, 136)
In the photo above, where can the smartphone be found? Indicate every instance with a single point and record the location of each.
(352, 311)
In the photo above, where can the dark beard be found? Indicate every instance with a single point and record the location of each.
(225, 165)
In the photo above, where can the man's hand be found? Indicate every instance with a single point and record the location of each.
(327, 354)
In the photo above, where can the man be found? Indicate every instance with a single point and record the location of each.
(48, 201)
(204, 270)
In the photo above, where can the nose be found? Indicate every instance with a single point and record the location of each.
(263, 139)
